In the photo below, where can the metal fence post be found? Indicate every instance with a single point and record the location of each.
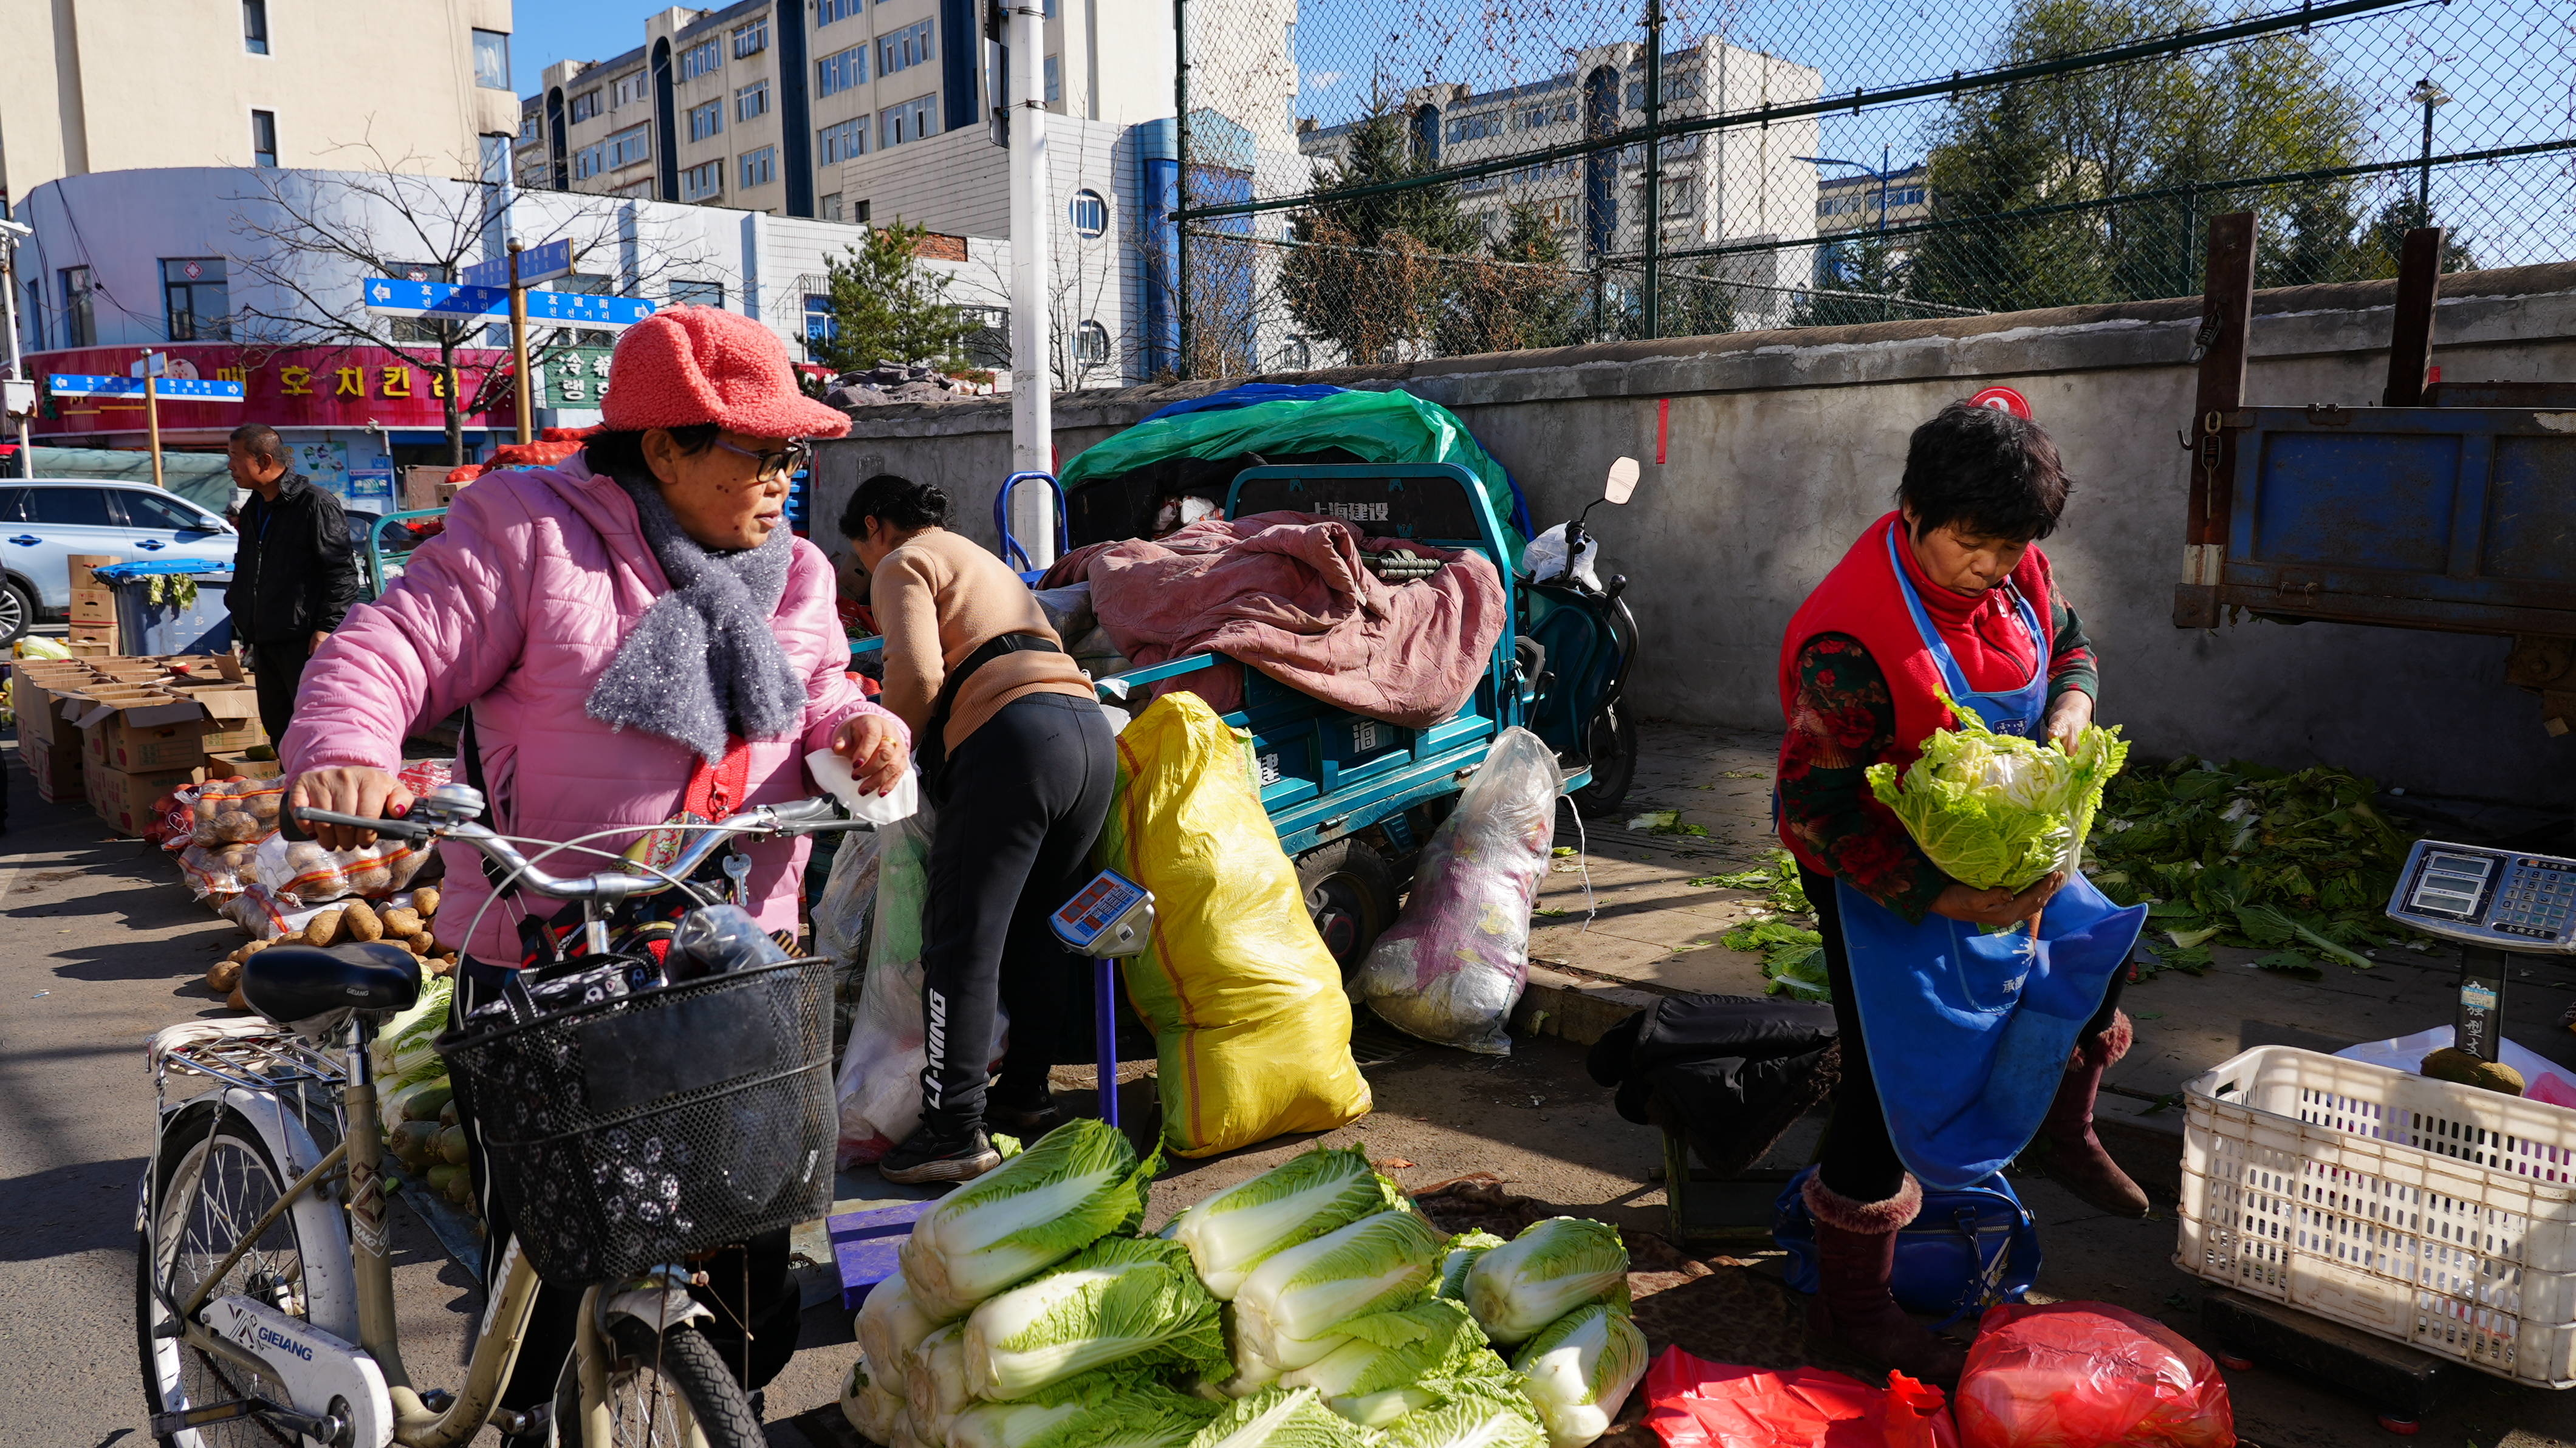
(1181, 187)
(1652, 291)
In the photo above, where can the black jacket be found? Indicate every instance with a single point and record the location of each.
(1731, 1073)
(294, 574)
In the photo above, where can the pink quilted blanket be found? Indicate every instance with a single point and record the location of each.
(1287, 593)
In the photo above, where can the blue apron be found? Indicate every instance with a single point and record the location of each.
(1967, 1032)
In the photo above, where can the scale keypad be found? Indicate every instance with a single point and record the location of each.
(2536, 901)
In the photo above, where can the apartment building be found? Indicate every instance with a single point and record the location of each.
(419, 86)
(1742, 184)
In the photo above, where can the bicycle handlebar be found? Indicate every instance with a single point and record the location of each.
(804, 816)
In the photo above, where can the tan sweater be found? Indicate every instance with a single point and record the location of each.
(939, 598)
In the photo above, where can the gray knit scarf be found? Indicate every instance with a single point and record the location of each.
(702, 662)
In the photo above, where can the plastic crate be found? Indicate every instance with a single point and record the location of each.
(2436, 1215)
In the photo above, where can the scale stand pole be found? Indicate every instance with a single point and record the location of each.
(1104, 1025)
(2480, 1029)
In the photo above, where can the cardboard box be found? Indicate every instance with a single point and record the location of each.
(124, 800)
(91, 649)
(142, 747)
(84, 568)
(35, 693)
(56, 767)
(232, 707)
(143, 726)
(93, 606)
(235, 766)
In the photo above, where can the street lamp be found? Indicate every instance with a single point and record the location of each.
(1881, 175)
(2427, 95)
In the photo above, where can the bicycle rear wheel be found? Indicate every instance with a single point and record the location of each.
(656, 1390)
(215, 1177)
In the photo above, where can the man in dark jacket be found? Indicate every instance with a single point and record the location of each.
(294, 573)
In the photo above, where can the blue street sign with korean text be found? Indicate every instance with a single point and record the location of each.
(173, 389)
(445, 302)
(536, 264)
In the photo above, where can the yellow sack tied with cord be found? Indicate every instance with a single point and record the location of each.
(1252, 1030)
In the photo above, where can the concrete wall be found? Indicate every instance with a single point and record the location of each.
(1784, 445)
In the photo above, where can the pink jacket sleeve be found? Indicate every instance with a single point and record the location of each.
(442, 637)
(832, 697)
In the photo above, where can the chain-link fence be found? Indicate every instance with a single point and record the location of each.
(1378, 180)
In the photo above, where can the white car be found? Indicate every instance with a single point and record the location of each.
(45, 521)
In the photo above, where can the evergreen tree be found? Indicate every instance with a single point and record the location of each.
(1377, 270)
(1524, 297)
(887, 307)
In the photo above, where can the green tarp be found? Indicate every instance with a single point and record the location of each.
(198, 477)
(1379, 427)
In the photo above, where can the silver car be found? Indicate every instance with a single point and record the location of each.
(45, 521)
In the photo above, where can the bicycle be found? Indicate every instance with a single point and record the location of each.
(263, 1285)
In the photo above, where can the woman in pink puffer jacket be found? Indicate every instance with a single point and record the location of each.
(637, 634)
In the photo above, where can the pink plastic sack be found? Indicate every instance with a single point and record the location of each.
(1451, 967)
(2088, 1375)
(1691, 1403)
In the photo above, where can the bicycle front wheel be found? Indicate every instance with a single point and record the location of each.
(657, 1390)
(214, 1178)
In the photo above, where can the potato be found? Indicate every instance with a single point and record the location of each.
(305, 856)
(443, 965)
(235, 1000)
(237, 826)
(401, 921)
(204, 810)
(359, 921)
(223, 975)
(370, 878)
(324, 929)
(425, 901)
(419, 943)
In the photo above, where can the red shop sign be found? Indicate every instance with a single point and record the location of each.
(339, 387)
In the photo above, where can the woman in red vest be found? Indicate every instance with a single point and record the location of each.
(1943, 597)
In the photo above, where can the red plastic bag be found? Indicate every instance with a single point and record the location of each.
(1691, 1403)
(2088, 1375)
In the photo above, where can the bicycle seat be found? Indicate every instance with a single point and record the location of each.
(296, 982)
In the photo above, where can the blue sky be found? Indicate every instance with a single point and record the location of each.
(552, 30)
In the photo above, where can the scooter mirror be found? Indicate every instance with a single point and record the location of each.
(1623, 481)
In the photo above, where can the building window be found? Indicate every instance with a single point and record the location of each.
(589, 161)
(760, 167)
(585, 106)
(752, 100)
(697, 294)
(1559, 114)
(263, 138)
(822, 324)
(196, 302)
(1296, 355)
(702, 182)
(989, 345)
(630, 89)
(836, 73)
(698, 60)
(859, 213)
(1476, 127)
(255, 26)
(751, 39)
(827, 11)
(846, 141)
(492, 59)
(630, 146)
(829, 208)
(1090, 344)
(904, 49)
(527, 128)
(909, 121)
(1054, 80)
(706, 120)
(80, 325)
(1090, 213)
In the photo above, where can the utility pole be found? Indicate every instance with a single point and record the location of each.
(152, 365)
(1032, 346)
(518, 348)
(10, 234)
(2429, 96)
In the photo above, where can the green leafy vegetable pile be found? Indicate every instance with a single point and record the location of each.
(2295, 864)
(1998, 809)
(1793, 956)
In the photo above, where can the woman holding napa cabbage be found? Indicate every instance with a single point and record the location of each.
(1940, 769)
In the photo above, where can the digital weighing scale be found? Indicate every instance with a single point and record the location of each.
(2492, 903)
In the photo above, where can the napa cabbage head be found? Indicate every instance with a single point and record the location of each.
(1080, 1183)
(1132, 1302)
(1392, 1361)
(1579, 1371)
(1551, 1268)
(1458, 1256)
(889, 1326)
(1102, 1410)
(1290, 1310)
(1470, 1413)
(1281, 1417)
(1243, 1226)
(1998, 809)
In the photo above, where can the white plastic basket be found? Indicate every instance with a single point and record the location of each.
(2438, 1215)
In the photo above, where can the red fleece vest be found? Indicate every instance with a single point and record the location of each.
(1861, 598)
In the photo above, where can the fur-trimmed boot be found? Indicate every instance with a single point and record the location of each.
(2073, 1154)
(1855, 1256)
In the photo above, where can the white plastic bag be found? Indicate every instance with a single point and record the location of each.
(833, 773)
(849, 899)
(1545, 559)
(880, 1079)
(1452, 966)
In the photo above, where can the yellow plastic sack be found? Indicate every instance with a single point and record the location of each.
(1246, 1005)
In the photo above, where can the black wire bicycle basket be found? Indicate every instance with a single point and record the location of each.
(640, 1129)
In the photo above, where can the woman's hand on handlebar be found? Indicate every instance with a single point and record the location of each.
(1997, 906)
(349, 790)
(876, 751)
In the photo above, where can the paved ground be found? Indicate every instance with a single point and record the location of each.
(99, 946)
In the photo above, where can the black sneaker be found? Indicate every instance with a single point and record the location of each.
(939, 1152)
(1026, 1119)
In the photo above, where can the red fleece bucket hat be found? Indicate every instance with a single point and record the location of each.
(689, 365)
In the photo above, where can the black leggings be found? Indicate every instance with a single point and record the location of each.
(1020, 805)
(749, 1287)
(1859, 1161)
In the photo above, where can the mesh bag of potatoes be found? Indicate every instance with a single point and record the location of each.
(311, 874)
(406, 920)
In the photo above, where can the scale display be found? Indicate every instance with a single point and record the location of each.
(2480, 896)
(1111, 916)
